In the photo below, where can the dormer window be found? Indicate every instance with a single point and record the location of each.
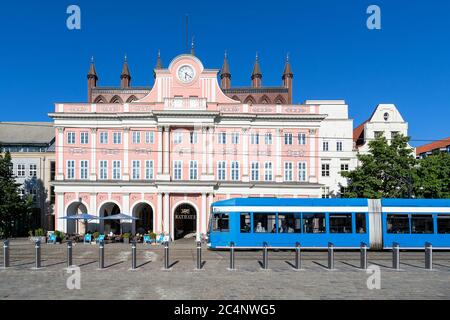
(386, 116)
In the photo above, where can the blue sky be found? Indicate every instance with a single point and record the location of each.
(333, 54)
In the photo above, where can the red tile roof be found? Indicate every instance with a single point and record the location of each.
(358, 134)
(433, 146)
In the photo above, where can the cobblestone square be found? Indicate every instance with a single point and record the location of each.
(215, 280)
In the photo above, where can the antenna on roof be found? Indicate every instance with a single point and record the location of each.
(187, 32)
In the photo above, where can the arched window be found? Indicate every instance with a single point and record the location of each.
(100, 99)
(280, 100)
(116, 99)
(250, 100)
(236, 98)
(131, 99)
(264, 100)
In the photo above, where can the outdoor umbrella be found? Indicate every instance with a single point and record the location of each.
(82, 216)
(121, 217)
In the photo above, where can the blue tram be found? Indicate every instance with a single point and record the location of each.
(282, 222)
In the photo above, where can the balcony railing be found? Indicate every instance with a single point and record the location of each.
(192, 103)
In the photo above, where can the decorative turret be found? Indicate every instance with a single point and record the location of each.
(125, 77)
(225, 75)
(287, 78)
(158, 63)
(92, 79)
(256, 74)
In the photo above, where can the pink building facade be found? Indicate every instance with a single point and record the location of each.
(166, 156)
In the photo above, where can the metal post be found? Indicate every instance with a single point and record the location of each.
(395, 256)
(37, 249)
(6, 254)
(133, 254)
(232, 256)
(363, 256)
(298, 257)
(69, 253)
(330, 256)
(265, 257)
(428, 256)
(101, 255)
(199, 255)
(166, 255)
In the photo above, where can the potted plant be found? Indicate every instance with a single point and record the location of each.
(152, 237)
(126, 238)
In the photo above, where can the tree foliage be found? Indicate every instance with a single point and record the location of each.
(432, 177)
(14, 210)
(385, 172)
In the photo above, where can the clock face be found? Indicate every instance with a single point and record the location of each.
(186, 74)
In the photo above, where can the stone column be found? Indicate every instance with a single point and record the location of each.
(159, 214)
(278, 165)
(210, 151)
(160, 150)
(166, 149)
(166, 209)
(204, 150)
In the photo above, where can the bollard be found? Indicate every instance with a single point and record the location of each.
(396, 256)
(428, 256)
(232, 256)
(6, 254)
(166, 255)
(199, 255)
(330, 256)
(69, 253)
(363, 258)
(101, 254)
(265, 257)
(37, 247)
(298, 257)
(133, 254)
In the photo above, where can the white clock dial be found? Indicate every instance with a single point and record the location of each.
(186, 74)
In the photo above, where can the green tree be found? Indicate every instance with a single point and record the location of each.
(385, 172)
(14, 211)
(432, 177)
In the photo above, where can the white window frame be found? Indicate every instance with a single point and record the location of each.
(103, 169)
(177, 137)
(117, 170)
(254, 173)
(221, 170)
(235, 138)
(149, 137)
(325, 170)
(103, 137)
(193, 137)
(117, 137)
(268, 138)
(21, 170)
(149, 169)
(70, 169)
(178, 170)
(193, 170)
(84, 169)
(71, 137)
(84, 137)
(302, 171)
(339, 146)
(288, 139)
(136, 170)
(268, 171)
(222, 138)
(254, 138)
(33, 170)
(288, 171)
(136, 137)
(235, 174)
(325, 146)
(302, 138)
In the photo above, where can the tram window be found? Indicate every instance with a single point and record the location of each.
(397, 223)
(263, 222)
(340, 223)
(443, 223)
(221, 222)
(422, 223)
(245, 222)
(314, 223)
(289, 223)
(360, 223)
